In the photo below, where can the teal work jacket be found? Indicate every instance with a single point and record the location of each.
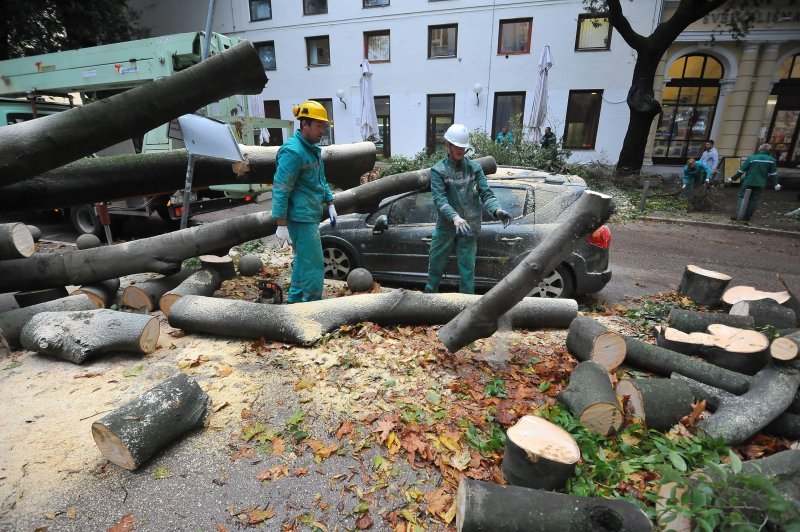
(759, 170)
(461, 191)
(300, 190)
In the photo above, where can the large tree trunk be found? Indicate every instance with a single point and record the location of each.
(150, 174)
(32, 147)
(305, 323)
(133, 433)
(590, 340)
(147, 293)
(704, 287)
(643, 108)
(590, 396)
(12, 321)
(588, 213)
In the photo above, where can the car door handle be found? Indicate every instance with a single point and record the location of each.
(515, 239)
(425, 239)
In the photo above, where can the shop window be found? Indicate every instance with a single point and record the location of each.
(515, 36)
(442, 40)
(583, 116)
(594, 33)
(260, 10)
(376, 46)
(266, 52)
(318, 51)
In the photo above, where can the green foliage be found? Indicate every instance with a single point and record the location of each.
(496, 388)
(400, 164)
(652, 313)
(193, 263)
(522, 152)
(253, 246)
(486, 442)
(294, 425)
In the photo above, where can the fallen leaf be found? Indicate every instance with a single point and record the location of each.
(300, 471)
(87, 375)
(259, 516)
(384, 427)
(160, 473)
(134, 372)
(244, 451)
(72, 512)
(438, 501)
(346, 428)
(304, 384)
(177, 333)
(125, 524)
(273, 473)
(364, 522)
(224, 371)
(221, 528)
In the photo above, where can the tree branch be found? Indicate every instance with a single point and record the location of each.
(621, 24)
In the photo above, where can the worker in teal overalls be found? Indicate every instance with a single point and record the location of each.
(299, 194)
(459, 192)
(759, 170)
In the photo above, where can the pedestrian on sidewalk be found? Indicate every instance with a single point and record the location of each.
(759, 170)
(710, 157)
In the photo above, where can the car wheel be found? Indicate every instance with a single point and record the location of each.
(338, 263)
(558, 284)
(84, 220)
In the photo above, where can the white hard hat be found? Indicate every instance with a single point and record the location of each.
(457, 135)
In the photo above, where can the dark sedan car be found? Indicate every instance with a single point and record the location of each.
(393, 241)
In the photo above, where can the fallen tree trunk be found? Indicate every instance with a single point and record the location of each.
(485, 506)
(75, 336)
(588, 213)
(590, 396)
(539, 454)
(704, 287)
(589, 340)
(16, 241)
(658, 403)
(102, 294)
(201, 283)
(690, 321)
(12, 321)
(133, 433)
(786, 347)
(305, 323)
(35, 146)
(747, 293)
(147, 293)
(740, 350)
(766, 312)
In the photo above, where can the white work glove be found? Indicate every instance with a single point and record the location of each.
(684, 186)
(462, 227)
(777, 187)
(332, 214)
(282, 234)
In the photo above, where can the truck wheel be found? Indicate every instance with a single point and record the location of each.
(84, 220)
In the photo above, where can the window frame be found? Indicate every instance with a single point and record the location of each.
(527, 50)
(430, 40)
(250, 9)
(365, 6)
(377, 33)
(306, 13)
(257, 45)
(595, 122)
(497, 96)
(430, 133)
(586, 16)
(308, 51)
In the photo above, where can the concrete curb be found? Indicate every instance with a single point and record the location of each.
(722, 225)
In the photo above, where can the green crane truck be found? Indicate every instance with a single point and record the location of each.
(27, 83)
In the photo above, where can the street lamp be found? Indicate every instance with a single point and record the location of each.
(477, 88)
(340, 95)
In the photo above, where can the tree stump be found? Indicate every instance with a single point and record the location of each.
(740, 350)
(75, 336)
(786, 347)
(102, 294)
(16, 241)
(766, 312)
(704, 287)
(690, 321)
(591, 398)
(589, 340)
(12, 321)
(223, 265)
(539, 454)
(133, 433)
(747, 293)
(35, 297)
(203, 282)
(147, 293)
(659, 403)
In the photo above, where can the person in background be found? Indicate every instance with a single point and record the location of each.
(299, 195)
(695, 174)
(460, 192)
(759, 170)
(710, 157)
(549, 139)
(505, 136)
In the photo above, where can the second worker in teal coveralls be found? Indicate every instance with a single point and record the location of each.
(459, 191)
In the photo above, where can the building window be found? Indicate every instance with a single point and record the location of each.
(383, 145)
(441, 115)
(583, 115)
(327, 137)
(442, 40)
(783, 117)
(315, 7)
(507, 106)
(318, 51)
(594, 33)
(260, 10)
(688, 106)
(376, 46)
(515, 36)
(376, 3)
(266, 52)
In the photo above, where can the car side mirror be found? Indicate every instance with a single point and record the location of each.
(381, 224)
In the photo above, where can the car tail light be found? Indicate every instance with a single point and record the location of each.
(600, 238)
(178, 211)
(248, 198)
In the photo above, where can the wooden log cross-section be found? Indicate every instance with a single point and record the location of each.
(12, 321)
(766, 312)
(102, 294)
(786, 347)
(590, 396)
(203, 282)
(16, 241)
(735, 294)
(590, 340)
(133, 433)
(658, 403)
(147, 293)
(704, 287)
(223, 265)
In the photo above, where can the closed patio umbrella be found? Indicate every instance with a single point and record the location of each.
(369, 120)
(539, 109)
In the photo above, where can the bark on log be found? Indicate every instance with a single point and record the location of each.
(704, 287)
(588, 213)
(36, 297)
(690, 321)
(102, 294)
(766, 312)
(590, 396)
(16, 241)
(12, 321)
(147, 293)
(75, 336)
(223, 265)
(36, 233)
(133, 433)
(539, 455)
(786, 347)
(35, 146)
(747, 293)
(590, 340)
(488, 507)
(659, 403)
(793, 302)
(203, 282)
(740, 350)
(305, 323)
(154, 174)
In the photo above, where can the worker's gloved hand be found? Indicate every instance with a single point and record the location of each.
(332, 214)
(728, 181)
(282, 234)
(503, 216)
(777, 187)
(462, 227)
(684, 186)
(708, 183)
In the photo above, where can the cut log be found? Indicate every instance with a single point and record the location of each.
(480, 320)
(130, 435)
(147, 293)
(590, 396)
(747, 293)
(658, 403)
(487, 507)
(690, 321)
(589, 340)
(305, 323)
(766, 312)
(36, 233)
(704, 287)
(793, 302)
(102, 294)
(539, 455)
(740, 350)
(35, 146)
(786, 347)
(35, 297)
(16, 241)
(12, 321)
(203, 282)
(76, 336)
(223, 265)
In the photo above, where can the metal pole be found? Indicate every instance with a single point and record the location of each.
(187, 192)
(743, 206)
(207, 42)
(645, 191)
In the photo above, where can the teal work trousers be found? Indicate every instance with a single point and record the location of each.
(308, 271)
(466, 248)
